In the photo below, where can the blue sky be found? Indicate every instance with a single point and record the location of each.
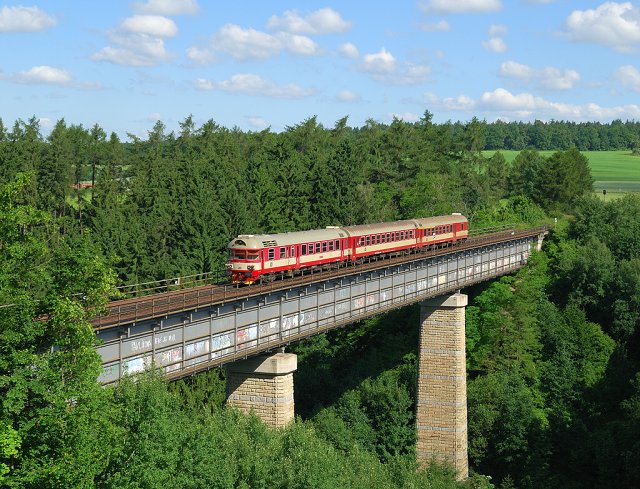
(257, 64)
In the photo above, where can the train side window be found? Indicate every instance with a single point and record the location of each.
(283, 252)
(272, 254)
(330, 245)
(337, 244)
(318, 245)
(293, 251)
(367, 240)
(304, 249)
(324, 246)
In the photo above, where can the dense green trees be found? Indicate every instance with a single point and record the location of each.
(552, 351)
(562, 135)
(52, 411)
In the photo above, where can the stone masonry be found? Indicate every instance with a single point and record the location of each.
(264, 385)
(441, 416)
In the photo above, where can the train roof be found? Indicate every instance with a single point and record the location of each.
(380, 227)
(426, 222)
(386, 227)
(255, 241)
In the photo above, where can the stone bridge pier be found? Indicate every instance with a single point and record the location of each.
(441, 414)
(264, 385)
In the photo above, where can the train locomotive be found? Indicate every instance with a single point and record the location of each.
(264, 257)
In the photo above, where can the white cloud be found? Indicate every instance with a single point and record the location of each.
(460, 6)
(512, 69)
(298, 44)
(245, 43)
(501, 103)
(323, 21)
(613, 25)
(152, 25)
(24, 19)
(548, 78)
(201, 56)
(629, 76)
(134, 50)
(139, 41)
(407, 117)
(257, 122)
(45, 123)
(167, 7)
(381, 62)
(495, 45)
(440, 26)
(347, 96)
(43, 75)
(48, 75)
(497, 30)
(349, 50)
(250, 44)
(461, 102)
(250, 84)
(383, 67)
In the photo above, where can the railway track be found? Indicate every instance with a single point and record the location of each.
(131, 310)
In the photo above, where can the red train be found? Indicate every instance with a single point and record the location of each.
(262, 257)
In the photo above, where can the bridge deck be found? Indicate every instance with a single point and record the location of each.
(188, 331)
(135, 309)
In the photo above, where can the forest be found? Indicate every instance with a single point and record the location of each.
(553, 351)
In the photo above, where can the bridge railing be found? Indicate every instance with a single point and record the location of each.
(219, 276)
(150, 306)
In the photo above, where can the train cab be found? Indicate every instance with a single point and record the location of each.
(244, 264)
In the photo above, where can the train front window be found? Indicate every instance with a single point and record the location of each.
(253, 256)
(237, 254)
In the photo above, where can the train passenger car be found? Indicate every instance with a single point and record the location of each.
(440, 230)
(367, 240)
(260, 256)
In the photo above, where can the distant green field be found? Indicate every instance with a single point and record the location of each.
(618, 172)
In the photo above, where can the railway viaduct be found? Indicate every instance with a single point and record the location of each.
(246, 329)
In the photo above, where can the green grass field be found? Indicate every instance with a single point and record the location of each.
(617, 172)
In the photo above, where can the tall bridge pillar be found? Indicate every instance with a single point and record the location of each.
(264, 385)
(441, 415)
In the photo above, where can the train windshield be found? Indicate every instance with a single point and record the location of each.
(237, 254)
(253, 255)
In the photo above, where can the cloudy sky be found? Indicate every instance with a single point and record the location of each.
(256, 64)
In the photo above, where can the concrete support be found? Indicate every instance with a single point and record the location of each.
(264, 385)
(441, 417)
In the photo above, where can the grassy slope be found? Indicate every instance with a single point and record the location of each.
(616, 171)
